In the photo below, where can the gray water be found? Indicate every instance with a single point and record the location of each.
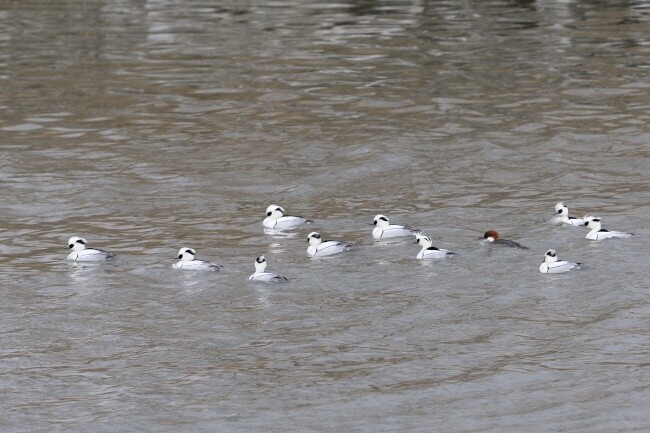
(146, 126)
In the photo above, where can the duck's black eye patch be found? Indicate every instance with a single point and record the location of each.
(485, 236)
(259, 260)
(180, 256)
(71, 245)
(374, 222)
(269, 213)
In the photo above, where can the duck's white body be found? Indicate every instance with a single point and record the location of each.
(428, 251)
(82, 254)
(552, 265)
(434, 253)
(563, 216)
(558, 267)
(392, 231)
(318, 248)
(262, 275)
(598, 233)
(268, 277)
(276, 219)
(89, 255)
(196, 265)
(187, 262)
(384, 230)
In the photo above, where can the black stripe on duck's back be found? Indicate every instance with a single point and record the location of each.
(433, 249)
(603, 231)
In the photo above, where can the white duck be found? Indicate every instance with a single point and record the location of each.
(598, 233)
(261, 274)
(563, 216)
(80, 253)
(552, 265)
(275, 219)
(188, 262)
(383, 229)
(320, 248)
(428, 251)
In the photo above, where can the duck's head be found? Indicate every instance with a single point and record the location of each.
(186, 254)
(75, 243)
(550, 256)
(380, 220)
(491, 235)
(260, 264)
(274, 211)
(592, 222)
(314, 238)
(561, 209)
(423, 240)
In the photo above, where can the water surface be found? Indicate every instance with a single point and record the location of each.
(145, 126)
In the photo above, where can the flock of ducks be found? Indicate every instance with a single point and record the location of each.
(277, 220)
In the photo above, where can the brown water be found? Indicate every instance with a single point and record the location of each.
(145, 126)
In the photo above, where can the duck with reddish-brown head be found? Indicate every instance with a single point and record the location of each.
(492, 237)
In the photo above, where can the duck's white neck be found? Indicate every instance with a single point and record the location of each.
(550, 259)
(595, 225)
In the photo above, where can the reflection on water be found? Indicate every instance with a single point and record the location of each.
(148, 125)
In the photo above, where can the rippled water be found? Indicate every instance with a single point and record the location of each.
(145, 126)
